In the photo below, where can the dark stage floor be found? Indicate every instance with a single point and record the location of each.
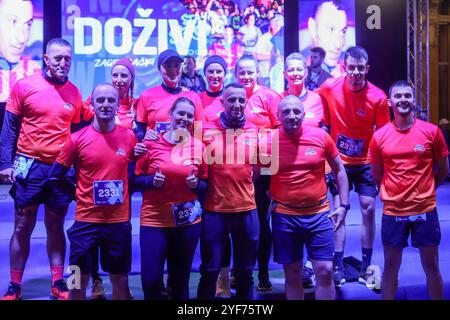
(411, 279)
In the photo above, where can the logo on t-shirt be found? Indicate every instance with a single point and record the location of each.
(310, 152)
(256, 110)
(419, 147)
(309, 115)
(121, 152)
(68, 106)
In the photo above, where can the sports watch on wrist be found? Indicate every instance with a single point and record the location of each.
(345, 206)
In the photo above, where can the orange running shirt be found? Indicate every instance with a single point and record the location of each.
(230, 186)
(352, 117)
(408, 157)
(262, 108)
(176, 163)
(47, 110)
(99, 158)
(299, 186)
(313, 107)
(212, 107)
(154, 105)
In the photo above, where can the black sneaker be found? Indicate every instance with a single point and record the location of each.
(338, 277)
(264, 284)
(14, 292)
(308, 277)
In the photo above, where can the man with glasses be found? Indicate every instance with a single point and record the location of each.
(353, 108)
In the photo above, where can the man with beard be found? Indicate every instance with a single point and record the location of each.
(403, 154)
(230, 206)
(353, 107)
(316, 74)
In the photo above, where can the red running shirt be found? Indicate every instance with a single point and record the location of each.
(154, 105)
(353, 117)
(212, 107)
(98, 157)
(176, 163)
(262, 108)
(47, 110)
(299, 186)
(230, 186)
(408, 157)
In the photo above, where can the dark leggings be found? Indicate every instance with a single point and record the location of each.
(177, 245)
(216, 228)
(265, 234)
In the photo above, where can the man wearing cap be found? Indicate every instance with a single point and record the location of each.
(154, 104)
(403, 155)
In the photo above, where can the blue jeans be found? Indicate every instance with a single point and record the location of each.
(244, 230)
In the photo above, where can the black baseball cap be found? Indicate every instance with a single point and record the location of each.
(166, 55)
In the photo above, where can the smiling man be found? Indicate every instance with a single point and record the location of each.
(38, 116)
(353, 107)
(102, 216)
(403, 155)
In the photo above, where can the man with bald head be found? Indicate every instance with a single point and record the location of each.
(300, 208)
(102, 216)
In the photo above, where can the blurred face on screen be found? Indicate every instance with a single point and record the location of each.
(327, 30)
(16, 18)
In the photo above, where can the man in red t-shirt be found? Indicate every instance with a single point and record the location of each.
(229, 207)
(403, 155)
(39, 113)
(300, 207)
(102, 216)
(353, 108)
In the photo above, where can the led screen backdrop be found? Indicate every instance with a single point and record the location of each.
(330, 25)
(21, 37)
(103, 31)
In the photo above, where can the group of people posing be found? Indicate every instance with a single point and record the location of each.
(237, 168)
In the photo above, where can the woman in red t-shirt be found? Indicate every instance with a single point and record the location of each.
(170, 175)
(122, 78)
